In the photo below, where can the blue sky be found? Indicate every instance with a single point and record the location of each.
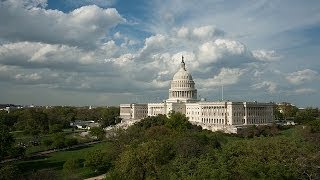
(107, 52)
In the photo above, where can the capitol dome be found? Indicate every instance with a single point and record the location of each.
(182, 73)
(182, 85)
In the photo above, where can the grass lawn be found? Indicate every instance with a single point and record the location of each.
(54, 162)
(20, 137)
(294, 132)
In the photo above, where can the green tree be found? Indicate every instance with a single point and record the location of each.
(315, 126)
(144, 161)
(6, 141)
(178, 121)
(100, 161)
(9, 172)
(71, 142)
(55, 128)
(261, 158)
(8, 119)
(109, 116)
(17, 152)
(32, 121)
(306, 115)
(59, 140)
(288, 110)
(277, 114)
(71, 165)
(98, 132)
(47, 142)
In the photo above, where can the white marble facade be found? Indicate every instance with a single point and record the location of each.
(225, 116)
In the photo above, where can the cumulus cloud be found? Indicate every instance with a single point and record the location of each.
(85, 26)
(73, 51)
(40, 55)
(264, 55)
(269, 85)
(201, 33)
(207, 32)
(225, 77)
(302, 76)
(228, 52)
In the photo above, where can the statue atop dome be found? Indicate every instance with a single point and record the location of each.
(183, 65)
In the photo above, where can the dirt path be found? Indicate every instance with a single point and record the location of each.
(97, 177)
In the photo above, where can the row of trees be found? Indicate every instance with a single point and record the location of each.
(41, 120)
(287, 111)
(37, 121)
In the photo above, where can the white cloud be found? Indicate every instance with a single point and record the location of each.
(27, 3)
(226, 76)
(183, 32)
(28, 77)
(199, 33)
(269, 85)
(207, 32)
(39, 55)
(265, 55)
(117, 35)
(302, 76)
(304, 91)
(229, 51)
(85, 26)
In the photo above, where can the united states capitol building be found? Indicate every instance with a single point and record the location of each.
(226, 116)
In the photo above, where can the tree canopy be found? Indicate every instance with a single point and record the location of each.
(164, 147)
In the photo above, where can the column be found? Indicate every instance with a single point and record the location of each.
(246, 115)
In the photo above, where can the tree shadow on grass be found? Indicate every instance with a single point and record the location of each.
(36, 158)
(35, 165)
(79, 148)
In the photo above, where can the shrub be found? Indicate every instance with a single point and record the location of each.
(71, 142)
(47, 142)
(59, 140)
(71, 165)
(9, 172)
(55, 128)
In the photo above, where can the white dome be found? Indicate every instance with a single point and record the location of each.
(182, 86)
(182, 74)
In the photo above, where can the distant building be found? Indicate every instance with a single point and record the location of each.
(84, 124)
(9, 107)
(224, 116)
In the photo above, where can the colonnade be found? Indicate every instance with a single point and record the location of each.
(188, 84)
(183, 94)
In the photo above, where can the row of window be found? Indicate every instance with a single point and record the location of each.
(214, 114)
(212, 121)
(257, 121)
(238, 121)
(213, 107)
